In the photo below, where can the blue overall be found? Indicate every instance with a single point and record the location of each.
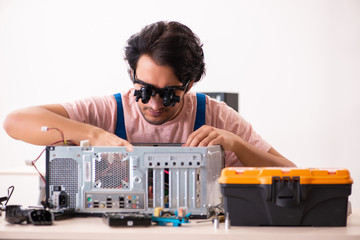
(120, 130)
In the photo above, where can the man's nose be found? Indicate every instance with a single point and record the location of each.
(156, 102)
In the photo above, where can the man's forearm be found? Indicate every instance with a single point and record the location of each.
(250, 156)
(25, 125)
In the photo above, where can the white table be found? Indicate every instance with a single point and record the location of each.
(95, 228)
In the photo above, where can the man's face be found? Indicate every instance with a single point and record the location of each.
(149, 72)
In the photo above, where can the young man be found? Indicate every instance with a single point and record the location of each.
(165, 60)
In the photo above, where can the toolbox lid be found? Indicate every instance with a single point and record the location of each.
(246, 175)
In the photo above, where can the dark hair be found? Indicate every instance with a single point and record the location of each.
(169, 44)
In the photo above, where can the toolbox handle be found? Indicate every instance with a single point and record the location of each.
(285, 191)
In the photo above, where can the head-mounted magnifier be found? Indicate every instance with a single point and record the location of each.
(167, 93)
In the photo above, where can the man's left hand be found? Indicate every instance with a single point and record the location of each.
(208, 136)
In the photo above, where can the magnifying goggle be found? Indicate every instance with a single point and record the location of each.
(167, 93)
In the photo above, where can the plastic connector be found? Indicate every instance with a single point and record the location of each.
(44, 128)
(41, 217)
(29, 162)
(85, 143)
(15, 214)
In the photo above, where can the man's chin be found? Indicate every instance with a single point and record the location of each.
(155, 121)
(157, 118)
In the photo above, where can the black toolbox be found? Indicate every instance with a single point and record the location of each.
(286, 196)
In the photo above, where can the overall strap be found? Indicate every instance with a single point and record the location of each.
(200, 110)
(120, 121)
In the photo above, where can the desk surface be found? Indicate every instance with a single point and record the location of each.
(95, 228)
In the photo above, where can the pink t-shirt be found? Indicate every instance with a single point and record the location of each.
(102, 112)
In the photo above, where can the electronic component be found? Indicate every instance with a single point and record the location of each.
(127, 219)
(41, 217)
(110, 179)
(15, 214)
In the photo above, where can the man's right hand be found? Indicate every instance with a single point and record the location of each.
(25, 124)
(104, 138)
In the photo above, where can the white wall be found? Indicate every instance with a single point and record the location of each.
(296, 65)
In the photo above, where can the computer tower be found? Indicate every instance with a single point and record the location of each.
(110, 179)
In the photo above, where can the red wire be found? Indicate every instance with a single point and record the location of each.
(42, 177)
(63, 141)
